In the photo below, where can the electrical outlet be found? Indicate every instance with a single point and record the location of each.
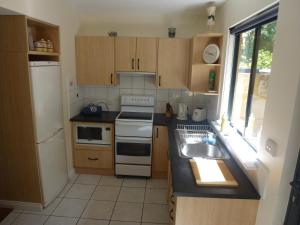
(271, 147)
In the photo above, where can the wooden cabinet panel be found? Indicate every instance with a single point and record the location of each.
(125, 54)
(173, 62)
(160, 152)
(98, 159)
(215, 211)
(95, 60)
(146, 54)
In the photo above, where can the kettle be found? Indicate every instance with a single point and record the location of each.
(199, 114)
(182, 111)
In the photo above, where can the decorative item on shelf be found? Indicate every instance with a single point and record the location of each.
(113, 34)
(40, 46)
(169, 110)
(211, 54)
(211, 81)
(211, 20)
(172, 32)
(49, 46)
(30, 39)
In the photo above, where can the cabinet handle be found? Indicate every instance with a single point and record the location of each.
(157, 132)
(132, 63)
(138, 64)
(170, 214)
(159, 80)
(94, 159)
(111, 78)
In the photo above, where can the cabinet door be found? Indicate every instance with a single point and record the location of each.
(146, 55)
(173, 62)
(125, 54)
(160, 152)
(95, 60)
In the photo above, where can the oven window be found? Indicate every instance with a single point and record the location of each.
(89, 133)
(133, 149)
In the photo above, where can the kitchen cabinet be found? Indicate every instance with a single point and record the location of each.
(173, 62)
(136, 54)
(93, 159)
(95, 60)
(160, 152)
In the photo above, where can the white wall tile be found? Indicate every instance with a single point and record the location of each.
(124, 91)
(101, 92)
(138, 81)
(151, 92)
(187, 96)
(150, 82)
(138, 91)
(162, 95)
(160, 107)
(174, 95)
(125, 81)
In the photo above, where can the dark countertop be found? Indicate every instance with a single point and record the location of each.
(160, 119)
(105, 117)
(183, 179)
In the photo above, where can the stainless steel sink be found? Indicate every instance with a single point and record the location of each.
(198, 141)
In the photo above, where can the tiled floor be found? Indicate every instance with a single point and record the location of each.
(102, 200)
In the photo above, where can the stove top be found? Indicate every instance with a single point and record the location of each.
(136, 116)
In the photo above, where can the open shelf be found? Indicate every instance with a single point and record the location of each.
(43, 53)
(199, 75)
(43, 30)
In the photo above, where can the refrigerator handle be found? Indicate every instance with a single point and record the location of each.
(47, 139)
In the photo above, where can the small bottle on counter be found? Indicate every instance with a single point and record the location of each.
(223, 122)
(211, 81)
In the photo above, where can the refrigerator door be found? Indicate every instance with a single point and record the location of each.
(46, 94)
(53, 169)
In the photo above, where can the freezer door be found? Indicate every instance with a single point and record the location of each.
(53, 166)
(47, 102)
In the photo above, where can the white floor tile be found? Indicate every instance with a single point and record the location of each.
(111, 181)
(98, 210)
(48, 210)
(134, 182)
(132, 195)
(88, 179)
(10, 218)
(92, 222)
(128, 212)
(155, 213)
(81, 191)
(158, 196)
(65, 190)
(157, 183)
(106, 193)
(53, 220)
(123, 223)
(30, 219)
(74, 178)
(70, 207)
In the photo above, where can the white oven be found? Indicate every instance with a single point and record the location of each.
(95, 134)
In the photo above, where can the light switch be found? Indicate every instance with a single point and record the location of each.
(271, 147)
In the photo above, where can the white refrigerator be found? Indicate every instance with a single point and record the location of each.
(47, 104)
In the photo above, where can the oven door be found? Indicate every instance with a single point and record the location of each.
(133, 150)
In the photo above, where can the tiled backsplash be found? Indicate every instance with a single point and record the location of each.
(140, 85)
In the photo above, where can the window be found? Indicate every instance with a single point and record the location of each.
(253, 50)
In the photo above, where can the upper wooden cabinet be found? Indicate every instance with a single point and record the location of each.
(125, 54)
(136, 54)
(95, 60)
(173, 62)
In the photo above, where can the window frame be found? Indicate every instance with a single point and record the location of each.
(256, 22)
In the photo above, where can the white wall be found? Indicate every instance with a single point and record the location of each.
(282, 122)
(61, 13)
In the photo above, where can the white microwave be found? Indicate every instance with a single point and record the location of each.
(96, 134)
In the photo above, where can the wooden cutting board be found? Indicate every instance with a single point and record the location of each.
(212, 173)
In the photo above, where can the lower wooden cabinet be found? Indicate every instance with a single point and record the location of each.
(101, 158)
(160, 152)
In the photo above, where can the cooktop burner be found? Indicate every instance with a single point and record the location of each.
(136, 115)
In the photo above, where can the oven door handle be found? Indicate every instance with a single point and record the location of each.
(130, 123)
(134, 139)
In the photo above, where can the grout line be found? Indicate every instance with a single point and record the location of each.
(112, 213)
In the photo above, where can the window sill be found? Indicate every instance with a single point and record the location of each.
(237, 146)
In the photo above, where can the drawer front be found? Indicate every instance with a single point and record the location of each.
(94, 159)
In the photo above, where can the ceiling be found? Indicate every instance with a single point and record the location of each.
(143, 8)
